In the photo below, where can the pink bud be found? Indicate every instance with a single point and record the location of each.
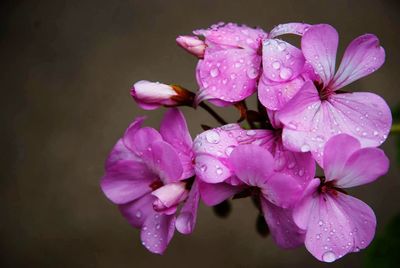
(151, 95)
(169, 196)
(192, 44)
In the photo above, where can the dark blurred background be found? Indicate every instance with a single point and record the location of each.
(66, 68)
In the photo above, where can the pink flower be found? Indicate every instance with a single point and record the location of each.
(192, 44)
(276, 192)
(336, 223)
(141, 166)
(320, 111)
(231, 66)
(151, 95)
(283, 67)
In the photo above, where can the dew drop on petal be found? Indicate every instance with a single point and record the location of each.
(305, 148)
(251, 132)
(218, 170)
(329, 256)
(229, 150)
(285, 73)
(214, 72)
(252, 73)
(212, 136)
(276, 65)
(138, 214)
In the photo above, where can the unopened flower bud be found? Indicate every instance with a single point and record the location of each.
(169, 196)
(151, 95)
(192, 44)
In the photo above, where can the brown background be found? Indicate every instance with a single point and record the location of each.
(66, 70)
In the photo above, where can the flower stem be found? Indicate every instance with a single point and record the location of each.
(395, 129)
(213, 113)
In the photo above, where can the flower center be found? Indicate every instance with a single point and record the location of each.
(329, 187)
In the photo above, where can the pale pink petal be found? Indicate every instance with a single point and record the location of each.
(169, 195)
(163, 160)
(338, 224)
(214, 193)
(362, 57)
(126, 180)
(319, 45)
(255, 172)
(337, 151)
(289, 28)
(281, 61)
(157, 232)
(281, 190)
(283, 230)
(229, 75)
(187, 218)
(174, 130)
(120, 152)
(310, 122)
(362, 167)
(137, 211)
(304, 207)
(275, 95)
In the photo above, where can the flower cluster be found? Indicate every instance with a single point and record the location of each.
(305, 117)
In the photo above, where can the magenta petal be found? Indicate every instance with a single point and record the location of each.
(275, 95)
(214, 193)
(281, 190)
(120, 152)
(255, 172)
(157, 232)
(363, 56)
(126, 181)
(283, 230)
(163, 160)
(336, 152)
(137, 211)
(187, 218)
(228, 75)
(338, 224)
(304, 207)
(362, 167)
(139, 140)
(174, 130)
(281, 61)
(289, 28)
(319, 45)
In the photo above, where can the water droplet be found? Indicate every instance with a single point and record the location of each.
(157, 226)
(212, 136)
(237, 65)
(218, 170)
(301, 172)
(376, 133)
(281, 46)
(320, 223)
(214, 72)
(276, 65)
(225, 81)
(291, 165)
(144, 228)
(305, 148)
(138, 214)
(229, 150)
(203, 168)
(251, 132)
(286, 73)
(252, 73)
(233, 76)
(329, 256)
(318, 236)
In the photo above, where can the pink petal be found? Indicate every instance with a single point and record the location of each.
(255, 172)
(305, 205)
(228, 75)
(281, 190)
(214, 193)
(157, 232)
(283, 230)
(163, 160)
(139, 140)
(337, 151)
(137, 211)
(174, 130)
(289, 28)
(210, 169)
(319, 45)
(120, 152)
(169, 195)
(362, 57)
(187, 218)
(362, 167)
(126, 181)
(275, 95)
(281, 61)
(338, 224)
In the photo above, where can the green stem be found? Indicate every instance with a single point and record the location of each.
(395, 129)
(213, 113)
